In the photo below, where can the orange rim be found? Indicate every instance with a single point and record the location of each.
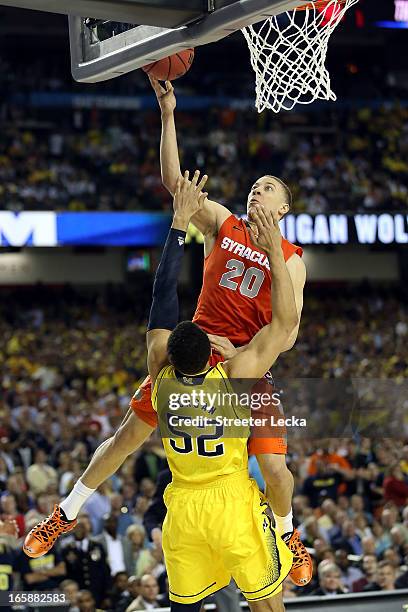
(319, 4)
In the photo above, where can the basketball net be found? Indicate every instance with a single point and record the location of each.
(288, 54)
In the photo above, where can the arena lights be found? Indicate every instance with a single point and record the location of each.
(401, 10)
(400, 16)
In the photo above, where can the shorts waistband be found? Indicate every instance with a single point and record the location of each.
(237, 477)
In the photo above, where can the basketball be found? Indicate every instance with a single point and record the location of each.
(172, 67)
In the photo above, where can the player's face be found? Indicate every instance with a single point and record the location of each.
(268, 192)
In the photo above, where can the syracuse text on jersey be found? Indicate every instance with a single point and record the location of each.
(245, 251)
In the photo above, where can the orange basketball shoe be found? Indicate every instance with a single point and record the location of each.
(302, 566)
(42, 537)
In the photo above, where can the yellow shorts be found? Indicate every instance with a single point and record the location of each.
(215, 532)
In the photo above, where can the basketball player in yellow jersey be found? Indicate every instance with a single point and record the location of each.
(216, 524)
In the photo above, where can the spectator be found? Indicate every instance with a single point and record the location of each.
(151, 560)
(382, 539)
(385, 578)
(86, 602)
(402, 581)
(399, 538)
(349, 574)
(328, 516)
(324, 483)
(41, 476)
(329, 580)
(357, 507)
(369, 545)
(349, 539)
(395, 487)
(310, 531)
(142, 504)
(150, 463)
(8, 555)
(70, 589)
(132, 592)
(370, 566)
(42, 574)
(156, 512)
(85, 561)
(148, 598)
(4, 472)
(133, 545)
(9, 510)
(119, 589)
(113, 545)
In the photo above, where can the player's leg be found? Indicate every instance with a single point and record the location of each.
(107, 459)
(272, 604)
(194, 568)
(279, 489)
(279, 492)
(258, 558)
(269, 444)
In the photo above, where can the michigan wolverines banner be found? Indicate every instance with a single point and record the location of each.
(146, 229)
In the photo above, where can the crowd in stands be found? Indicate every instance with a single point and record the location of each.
(336, 160)
(70, 363)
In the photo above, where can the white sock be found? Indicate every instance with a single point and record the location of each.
(75, 500)
(283, 524)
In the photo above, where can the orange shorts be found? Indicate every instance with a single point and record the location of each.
(264, 441)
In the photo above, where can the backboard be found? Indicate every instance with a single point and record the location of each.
(93, 59)
(162, 27)
(156, 29)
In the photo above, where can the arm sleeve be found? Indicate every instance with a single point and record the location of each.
(164, 312)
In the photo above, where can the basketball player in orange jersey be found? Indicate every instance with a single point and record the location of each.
(234, 302)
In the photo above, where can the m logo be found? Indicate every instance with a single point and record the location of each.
(28, 229)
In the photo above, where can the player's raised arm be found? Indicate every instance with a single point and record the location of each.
(258, 356)
(297, 272)
(164, 313)
(211, 215)
(169, 155)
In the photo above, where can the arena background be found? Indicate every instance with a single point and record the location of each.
(76, 292)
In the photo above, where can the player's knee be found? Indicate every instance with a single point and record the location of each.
(275, 470)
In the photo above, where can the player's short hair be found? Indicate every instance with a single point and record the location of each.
(288, 198)
(188, 348)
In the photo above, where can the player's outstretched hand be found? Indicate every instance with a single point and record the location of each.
(165, 95)
(188, 197)
(223, 346)
(266, 234)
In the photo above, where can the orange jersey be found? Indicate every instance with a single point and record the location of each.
(235, 299)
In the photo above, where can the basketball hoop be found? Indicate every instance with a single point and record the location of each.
(288, 54)
(319, 4)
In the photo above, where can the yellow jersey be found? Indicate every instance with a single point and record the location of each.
(203, 426)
